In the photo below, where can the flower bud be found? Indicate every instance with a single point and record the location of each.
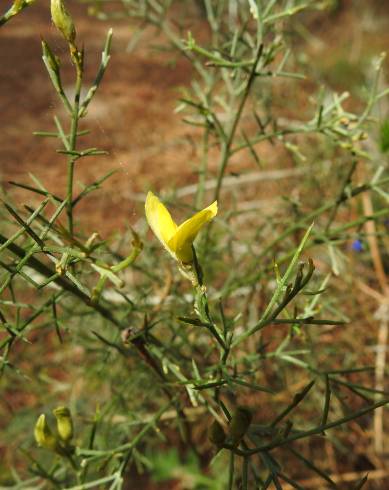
(239, 424)
(64, 423)
(50, 58)
(43, 435)
(216, 434)
(62, 20)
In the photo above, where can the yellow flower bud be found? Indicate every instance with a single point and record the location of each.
(64, 423)
(239, 424)
(62, 20)
(43, 435)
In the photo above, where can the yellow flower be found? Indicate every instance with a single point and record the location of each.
(64, 423)
(43, 435)
(177, 240)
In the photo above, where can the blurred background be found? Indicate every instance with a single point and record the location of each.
(133, 116)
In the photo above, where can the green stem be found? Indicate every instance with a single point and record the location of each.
(73, 465)
(231, 471)
(73, 142)
(227, 143)
(342, 193)
(203, 171)
(14, 11)
(245, 472)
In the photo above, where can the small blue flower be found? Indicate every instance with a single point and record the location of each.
(357, 245)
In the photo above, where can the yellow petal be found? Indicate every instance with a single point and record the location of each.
(43, 435)
(159, 220)
(181, 242)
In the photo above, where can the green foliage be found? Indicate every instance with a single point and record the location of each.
(257, 345)
(168, 466)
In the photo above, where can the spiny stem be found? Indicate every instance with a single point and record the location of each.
(73, 135)
(226, 145)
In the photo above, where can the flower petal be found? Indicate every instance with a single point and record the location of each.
(159, 220)
(182, 240)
